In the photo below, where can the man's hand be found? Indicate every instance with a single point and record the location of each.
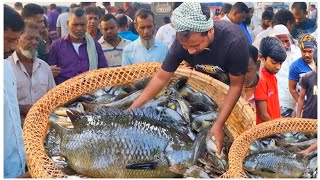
(217, 131)
(25, 175)
(55, 70)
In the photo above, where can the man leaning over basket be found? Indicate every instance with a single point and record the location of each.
(219, 49)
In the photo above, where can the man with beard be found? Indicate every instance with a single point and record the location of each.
(112, 44)
(14, 157)
(77, 52)
(93, 19)
(301, 66)
(34, 77)
(287, 103)
(146, 48)
(216, 48)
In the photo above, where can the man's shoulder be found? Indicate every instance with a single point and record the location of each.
(160, 44)
(228, 30)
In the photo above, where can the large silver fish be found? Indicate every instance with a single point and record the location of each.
(118, 144)
(275, 164)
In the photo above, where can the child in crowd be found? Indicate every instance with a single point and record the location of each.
(252, 78)
(272, 53)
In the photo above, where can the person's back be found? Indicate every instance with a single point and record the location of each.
(272, 53)
(52, 17)
(166, 34)
(124, 31)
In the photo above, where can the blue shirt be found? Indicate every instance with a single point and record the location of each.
(14, 156)
(297, 69)
(246, 32)
(128, 35)
(135, 52)
(307, 26)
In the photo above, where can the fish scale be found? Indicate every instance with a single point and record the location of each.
(104, 144)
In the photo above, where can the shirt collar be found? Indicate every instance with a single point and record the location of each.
(15, 58)
(67, 38)
(265, 72)
(102, 41)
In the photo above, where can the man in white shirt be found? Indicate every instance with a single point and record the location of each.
(166, 34)
(34, 77)
(265, 23)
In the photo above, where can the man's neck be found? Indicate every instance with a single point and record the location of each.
(93, 32)
(122, 29)
(116, 42)
(22, 58)
(74, 40)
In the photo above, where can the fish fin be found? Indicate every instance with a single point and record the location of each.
(73, 115)
(267, 170)
(144, 165)
(59, 129)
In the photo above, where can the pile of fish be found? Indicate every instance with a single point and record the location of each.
(96, 136)
(279, 156)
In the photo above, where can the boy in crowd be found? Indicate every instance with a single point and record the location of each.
(272, 53)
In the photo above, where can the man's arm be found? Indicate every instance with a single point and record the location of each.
(157, 83)
(59, 32)
(233, 94)
(293, 91)
(263, 111)
(300, 102)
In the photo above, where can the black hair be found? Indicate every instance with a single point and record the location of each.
(226, 8)
(143, 14)
(59, 10)
(269, 8)
(107, 17)
(77, 12)
(106, 4)
(12, 19)
(267, 15)
(52, 6)
(240, 7)
(253, 53)
(93, 10)
(132, 28)
(299, 6)
(85, 4)
(18, 5)
(206, 11)
(282, 17)
(122, 20)
(166, 20)
(312, 5)
(272, 47)
(31, 10)
(120, 11)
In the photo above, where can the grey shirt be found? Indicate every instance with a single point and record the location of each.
(309, 82)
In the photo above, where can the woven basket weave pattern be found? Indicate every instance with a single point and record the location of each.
(36, 123)
(240, 147)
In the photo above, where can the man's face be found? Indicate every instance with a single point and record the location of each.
(29, 41)
(195, 43)
(145, 27)
(93, 21)
(251, 72)
(272, 66)
(39, 20)
(77, 26)
(284, 38)
(299, 15)
(10, 41)
(239, 17)
(109, 30)
(266, 23)
(307, 55)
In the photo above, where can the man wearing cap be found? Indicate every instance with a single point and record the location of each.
(301, 66)
(287, 103)
(219, 50)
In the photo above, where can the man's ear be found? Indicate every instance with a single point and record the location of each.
(211, 33)
(258, 64)
(260, 57)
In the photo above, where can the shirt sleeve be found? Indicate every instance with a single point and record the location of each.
(304, 81)
(125, 56)
(173, 58)
(52, 55)
(293, 73)
(238, 57)
(58, 21)
(261, 92)
(102, 61)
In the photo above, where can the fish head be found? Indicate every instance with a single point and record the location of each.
(250, 164)
(78, 119)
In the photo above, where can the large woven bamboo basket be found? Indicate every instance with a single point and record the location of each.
(36, 123)
(240, 147)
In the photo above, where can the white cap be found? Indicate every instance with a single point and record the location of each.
(249, 4)
(279, 30)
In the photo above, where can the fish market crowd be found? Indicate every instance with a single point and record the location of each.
(160, 126)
